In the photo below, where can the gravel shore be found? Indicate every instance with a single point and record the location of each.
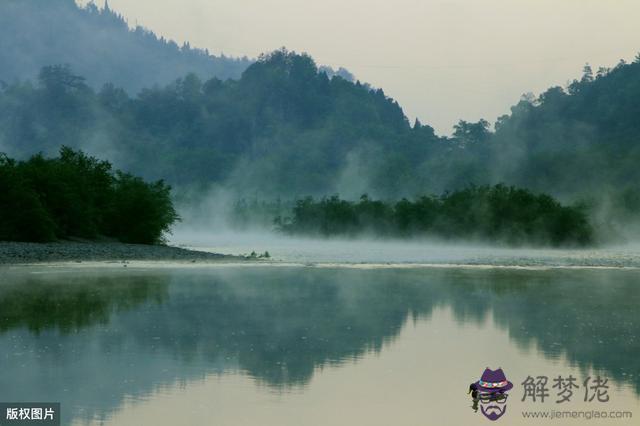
(27, 253)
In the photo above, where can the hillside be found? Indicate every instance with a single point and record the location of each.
(283, 128)
(578, 139)
(97, 44)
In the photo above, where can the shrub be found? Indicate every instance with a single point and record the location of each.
(75, 195)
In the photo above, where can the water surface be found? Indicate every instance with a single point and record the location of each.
(405, 252)
(304, 345)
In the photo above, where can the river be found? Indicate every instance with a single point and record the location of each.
(339, 333)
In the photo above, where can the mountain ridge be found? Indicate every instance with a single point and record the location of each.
(98, 44)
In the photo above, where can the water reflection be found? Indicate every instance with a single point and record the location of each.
(95, 340)
(72, 302)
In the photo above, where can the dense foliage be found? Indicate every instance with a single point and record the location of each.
(74, 195)
(577, 139)
(496, 214)
(283, 128)
(98, 44)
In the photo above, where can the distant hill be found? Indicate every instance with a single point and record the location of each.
(579, 139)
(99, 45)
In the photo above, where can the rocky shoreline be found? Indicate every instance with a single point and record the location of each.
(12, 253)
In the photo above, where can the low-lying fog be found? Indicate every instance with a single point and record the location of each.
(377, 251)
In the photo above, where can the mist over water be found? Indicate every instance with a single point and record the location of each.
(395, 252)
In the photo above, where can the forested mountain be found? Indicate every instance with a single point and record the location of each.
(579, 139)
(97, 44)
(285, 128)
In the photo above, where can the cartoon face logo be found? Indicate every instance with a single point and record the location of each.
(490, 392)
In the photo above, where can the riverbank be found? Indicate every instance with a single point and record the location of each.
(12, 253)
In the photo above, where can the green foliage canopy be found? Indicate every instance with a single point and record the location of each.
(485, 213)
(75, 195)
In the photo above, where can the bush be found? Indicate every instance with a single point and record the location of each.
(22, 215)
(75, 195)
(140, 212)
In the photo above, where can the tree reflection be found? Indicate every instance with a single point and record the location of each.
(74, 302)
(279, 325)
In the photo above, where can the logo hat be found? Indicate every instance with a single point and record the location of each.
(493, 381)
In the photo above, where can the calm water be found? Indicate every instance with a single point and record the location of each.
(267, 345)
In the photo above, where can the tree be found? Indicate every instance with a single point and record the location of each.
(602, 72)
(471, 133)
(140, 212)
(59, 79)
(587, 74)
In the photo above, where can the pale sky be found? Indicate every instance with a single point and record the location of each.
(442, 60)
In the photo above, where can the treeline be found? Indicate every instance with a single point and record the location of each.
(498, 213)
(75, 195)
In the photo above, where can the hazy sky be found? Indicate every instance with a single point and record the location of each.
(443, 60)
